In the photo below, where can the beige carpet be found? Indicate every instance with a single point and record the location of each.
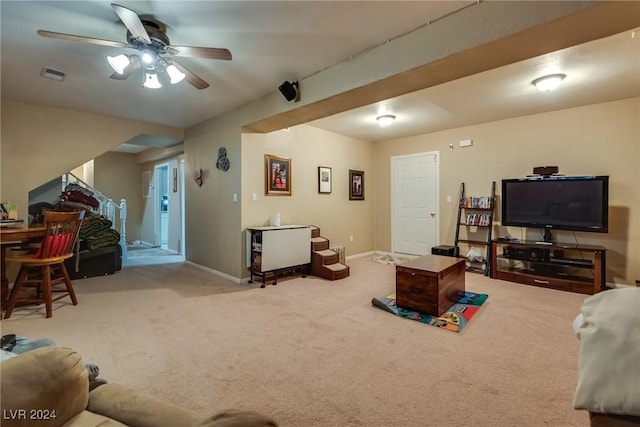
(136, 251)
(311, 352)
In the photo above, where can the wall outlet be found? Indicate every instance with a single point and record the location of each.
(448, 199)
(254, 196)
(351, 238)
(235, 197)
(466, 143)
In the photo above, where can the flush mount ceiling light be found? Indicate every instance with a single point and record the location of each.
(548, 83)
(385, 119)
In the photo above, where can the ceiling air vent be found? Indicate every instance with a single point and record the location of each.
(50, 73)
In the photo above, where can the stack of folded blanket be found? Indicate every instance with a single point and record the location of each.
(77, 196)
(96, 232)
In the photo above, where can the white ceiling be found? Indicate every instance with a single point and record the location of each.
(273, 41)
(599, 71)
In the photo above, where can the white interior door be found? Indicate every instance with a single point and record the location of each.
(414, 203)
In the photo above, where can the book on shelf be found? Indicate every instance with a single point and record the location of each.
(478, 219)
(476, 202)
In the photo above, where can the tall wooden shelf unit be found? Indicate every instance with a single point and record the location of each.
(474, 227)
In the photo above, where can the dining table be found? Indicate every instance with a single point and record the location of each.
(14, 235)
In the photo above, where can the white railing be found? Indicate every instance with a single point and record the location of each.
(107, 208)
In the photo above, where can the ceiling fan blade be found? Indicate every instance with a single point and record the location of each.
(130, 69)
(202, 52)
(82, 39)
(131, 20)
(193, 80)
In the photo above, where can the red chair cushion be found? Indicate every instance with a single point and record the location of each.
(56, 245)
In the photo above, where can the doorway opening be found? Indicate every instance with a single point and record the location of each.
(161, 208)
(163, 240)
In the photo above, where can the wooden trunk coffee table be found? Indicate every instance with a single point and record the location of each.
(430, 284)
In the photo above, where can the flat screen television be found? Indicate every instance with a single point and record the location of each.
(563, 203)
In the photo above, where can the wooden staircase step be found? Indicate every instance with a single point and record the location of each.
(325, 262)
(319, 243)
(338, 271)
(336, 267)
(331, 272)
(327, 256)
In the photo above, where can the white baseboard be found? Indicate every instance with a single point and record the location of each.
(219, 273)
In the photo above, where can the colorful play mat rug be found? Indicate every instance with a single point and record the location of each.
(454, 319)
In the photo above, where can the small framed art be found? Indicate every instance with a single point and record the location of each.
(356, 185)
(324, 179)
(277, 176)
(175, 180)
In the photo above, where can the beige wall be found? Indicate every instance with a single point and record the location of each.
(213, 231)
(602, 139)
(48, 142)
(596, 139)
(118, 176)
(309, 147)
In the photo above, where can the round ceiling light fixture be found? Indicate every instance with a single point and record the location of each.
(385, 120)
(548, 83)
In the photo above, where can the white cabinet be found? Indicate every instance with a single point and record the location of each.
(273, 249)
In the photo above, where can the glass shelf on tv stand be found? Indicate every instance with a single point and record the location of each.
(552, 245)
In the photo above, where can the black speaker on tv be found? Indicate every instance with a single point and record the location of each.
(289, 90)
(545, 170)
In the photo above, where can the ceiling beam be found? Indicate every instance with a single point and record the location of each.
(598, 20)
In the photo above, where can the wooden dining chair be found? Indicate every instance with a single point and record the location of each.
(42, 272)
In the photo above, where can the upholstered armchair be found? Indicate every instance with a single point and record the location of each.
(49, 386)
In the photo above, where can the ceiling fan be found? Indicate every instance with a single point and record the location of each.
(154, 51)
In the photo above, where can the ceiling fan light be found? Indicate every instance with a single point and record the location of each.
(148, 58)
(175, 75)
(151, 81)
(385, 120)
(548, 83)
(118, 63)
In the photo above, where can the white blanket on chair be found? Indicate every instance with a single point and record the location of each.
(609, 360)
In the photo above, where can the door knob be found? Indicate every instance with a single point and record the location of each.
(433, 214)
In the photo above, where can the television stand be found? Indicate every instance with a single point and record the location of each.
(567, 267)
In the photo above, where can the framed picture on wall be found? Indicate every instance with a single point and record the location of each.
(277, 178)
(324, 179)
(175, 180)
(356, 185)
